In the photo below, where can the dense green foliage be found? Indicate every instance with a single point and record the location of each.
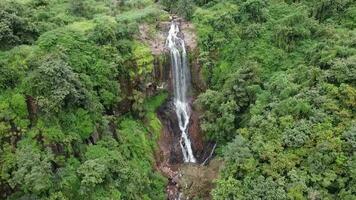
(76, 121)
(65, 68)
(281, 97)
(183, 8)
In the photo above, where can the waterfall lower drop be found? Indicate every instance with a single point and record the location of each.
(181, 81)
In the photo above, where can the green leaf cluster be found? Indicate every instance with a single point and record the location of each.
(75, 121)
(280, 102)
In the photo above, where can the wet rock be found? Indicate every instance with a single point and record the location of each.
(169, 158)
(169, 141)
(196, 135)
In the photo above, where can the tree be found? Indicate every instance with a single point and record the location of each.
(253, 10)
(263, 188)
(297, 136)
(92, 172)
(228, 189)
(219, 116)
(349, 138)
(293, 120)
(237, 151)
(14, 65)
(325, 9)
(105, 31)
(292, 29)
(185, 8)
(15, 26)
(80, 8)
(78, 122)
(55, 85)
(32, 170)
(69, 182)
(220, 119)
(342, 70)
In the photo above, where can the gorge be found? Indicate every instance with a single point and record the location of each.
(181, 84)
(177, 99)
(182, 148)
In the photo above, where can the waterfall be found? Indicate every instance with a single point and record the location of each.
(181, 80)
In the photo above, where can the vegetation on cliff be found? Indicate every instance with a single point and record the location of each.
(78, 121)
(75, 122)
(281, 97)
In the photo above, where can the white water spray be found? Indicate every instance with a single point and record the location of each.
(181, 82)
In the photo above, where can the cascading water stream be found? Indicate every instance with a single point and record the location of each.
(181, 80)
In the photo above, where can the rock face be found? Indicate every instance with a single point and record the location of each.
(169, 141)
(155, 37)
(171, 135)
(169, 158)
(156, 40)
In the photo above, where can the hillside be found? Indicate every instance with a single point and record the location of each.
(75, 122)
(281, 97)
(89, 107)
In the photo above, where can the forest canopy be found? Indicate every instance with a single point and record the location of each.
(281, 97)
(62, 66)
(76, 121)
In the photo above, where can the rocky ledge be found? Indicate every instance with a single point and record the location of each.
(155, 37)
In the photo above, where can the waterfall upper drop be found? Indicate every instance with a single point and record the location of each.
(181, 83)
